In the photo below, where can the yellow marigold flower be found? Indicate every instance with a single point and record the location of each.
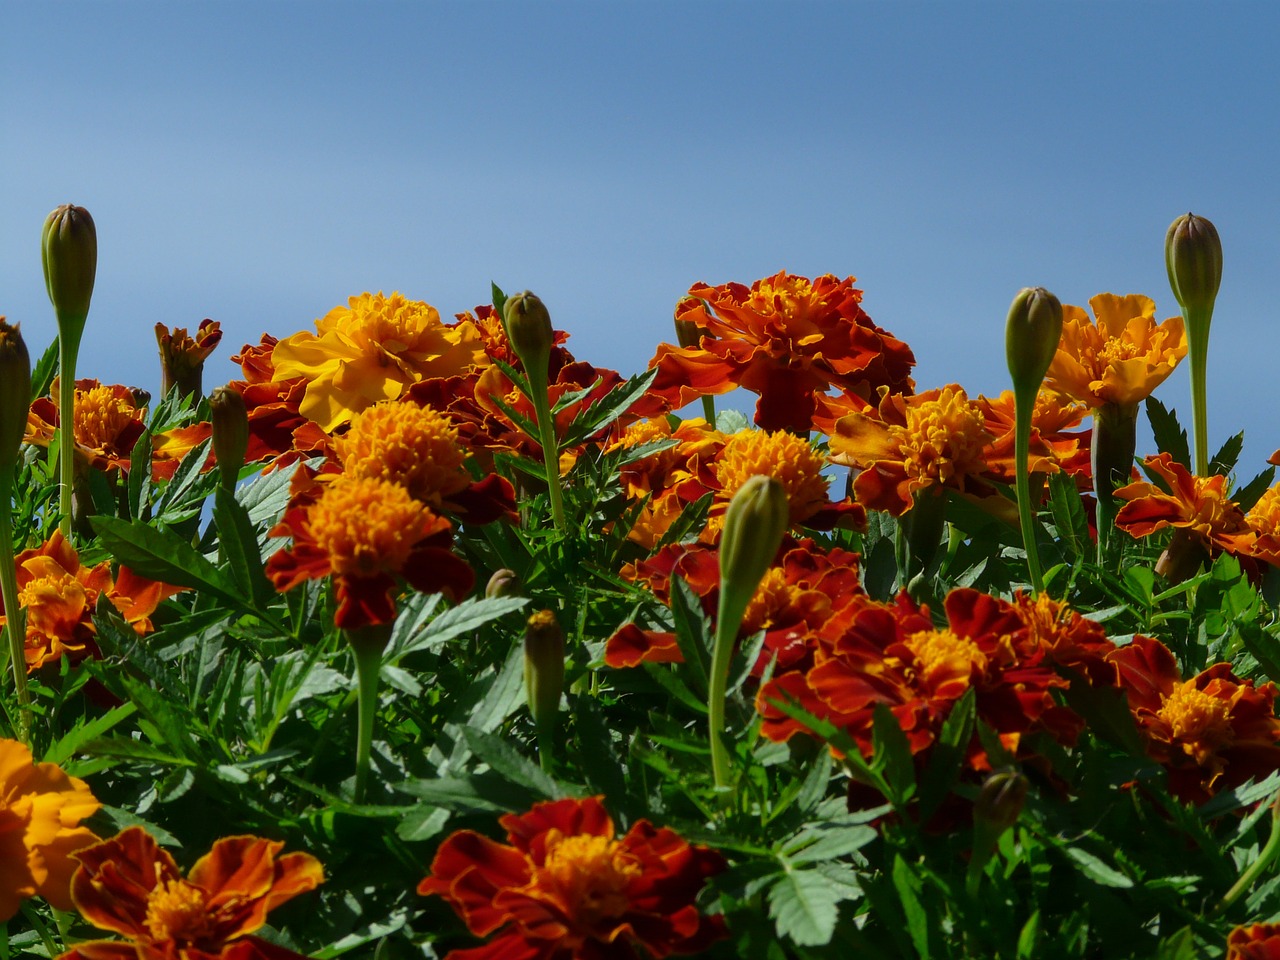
(1199, 722)
(40, 813)
(907, 444)
(403, 443)
(1119, 358)
(373, 349)
(789, 459)
(366, 525)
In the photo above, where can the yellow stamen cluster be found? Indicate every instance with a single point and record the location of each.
(787, 458)
(772, 597)
(943, 438)
(395, 323)
(366, 525)
(416, 447)
(177, 910)
(938, 648)
(1200, 721)
(591, 873)
(646, 431)
(101, 416)
(1264, 516)
(791, 297)
(47, 596)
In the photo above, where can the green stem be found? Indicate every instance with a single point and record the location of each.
(15, 627)
(367, 644)
(728, 622)
(1023, 410)
(709, 410)
(550, 447)
(1115, 430)
(1258, 867)
(1198, 348)
(68, 350)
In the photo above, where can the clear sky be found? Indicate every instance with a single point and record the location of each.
(258, 163)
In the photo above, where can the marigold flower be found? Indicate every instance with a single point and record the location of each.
(1211, 732)
(785, 457)
(909, 444)
(1263, 519)
(1257, 941)
(1200, 505)
(131, 887)
(785, 338)
(373, 349)
(564, 887)
(1055, 442)
(59, 596)
(365, 532)
(1121, 357)
(40, 813)
(182, 356)
(108, 420)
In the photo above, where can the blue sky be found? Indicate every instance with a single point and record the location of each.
(260, 162)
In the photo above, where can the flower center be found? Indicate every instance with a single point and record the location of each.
(1114, 350)
(416, 447)
(1264, 516)
(943, 438)
(592, 873)
(100, 417)
(934, 649)
(792, 296)
(366, 525)
(177, 911)
(1201, 721)
(395, 324)
(55, 604)
(787, 458)
(772, 597)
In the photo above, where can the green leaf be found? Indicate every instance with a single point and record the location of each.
(43, 372)
(1096, 870)
(465, 618)
(947, 755)
(140, 475)
(71, 742)
(499, 302)
(1169, 436)
(802, 905)
(693, 634)
(239, 544)
(1224, 461)
(828, 840)
(505, 760)
(608, 408)
(1069, 515)
(892, 754)
(1252, 491)
(908, 886)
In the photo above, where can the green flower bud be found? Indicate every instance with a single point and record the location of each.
(1000, 802)
(230, 432)
(543, 668)
(1193, 256)
(15, 393)
(529, 330)
(1031, 337)
(503, 583)
(69, 249)
(758, 516)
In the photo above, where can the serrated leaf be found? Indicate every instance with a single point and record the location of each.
(693, 634)
(828, 841)
(802, 905)
(1224, 461)
(907, 884)
(1069, 515)
(608, 408)
(465, 618)
(161, 555)
(1097, 871)
(892, 753)
(239, 547)
(504, 759)
(1246, 496)
(70, 743)
(947, 755)
(139, 474)
(1169, 436)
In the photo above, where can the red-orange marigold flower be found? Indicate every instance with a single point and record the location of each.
(1055, 443)
(182, 356)
(59, 596)
(366, 533)
(565, 888)
(786, 339)
(1212, 731)
(40, 813)
(1257, 941)
(1200, 505)
(131, 887)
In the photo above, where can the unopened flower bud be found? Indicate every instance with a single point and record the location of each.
(688, 333)
(1031, 337)
(230, 432)
(543, 667)
(503, 583)
(754, 524)
(15, 393)
(69, 249)
(1000, 802)
(529, 330)
(1193, 256)
(182, 356)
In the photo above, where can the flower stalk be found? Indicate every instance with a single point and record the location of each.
(15, 396)
(529, 330)
(1031, 337)
(367, 643)
(69, 252)
(756, 520)
(1193, 257)
(1115, 433)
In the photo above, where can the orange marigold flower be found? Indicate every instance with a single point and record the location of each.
(182, 356)
(1257, 941)
(564, 887)
(671, 479)
(1119, 358)
(1055, 443)
(108, 422)
(131, 887)
(366, 533)
(373, 349)
(1263, 519)
(908, 444)
(59, 596)
(794, 463)
(785, 338)
(1199, 505)
(1211, 732)
(40, 813)
(808, 591)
